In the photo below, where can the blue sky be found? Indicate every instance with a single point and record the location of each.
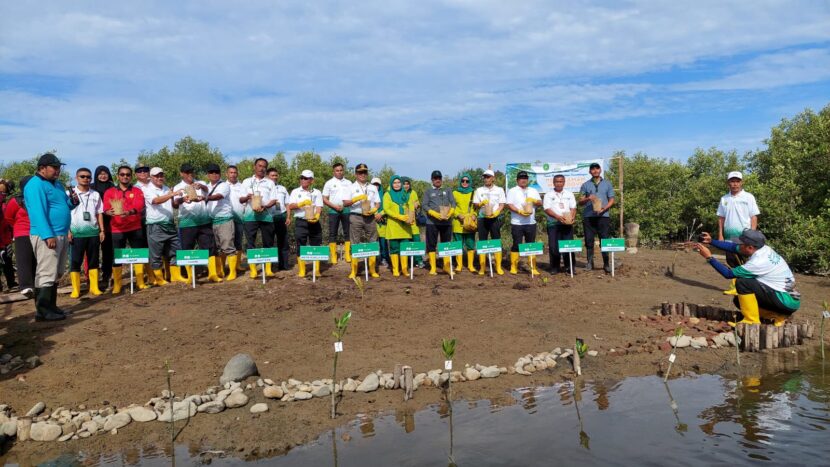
(415, 85)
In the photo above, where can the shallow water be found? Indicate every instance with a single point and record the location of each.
(779, 418)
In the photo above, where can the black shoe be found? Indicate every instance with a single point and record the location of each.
(43, 310)
(606, 268)
(554, 270)
(53, 301)
(589, 265)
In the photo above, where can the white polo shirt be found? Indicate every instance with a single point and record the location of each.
(281, 195)
(356, 190)
(195, 213)
(560, 203)
(266, 188)
(237, 191)
(157, 213)
(737, 212)
(90, 202)
(517, 196)
(335, 189)
(494, 196)
(220, 210)
(299, 195)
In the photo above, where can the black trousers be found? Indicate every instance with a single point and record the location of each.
(281, 235)
(238, 231)
(489, 229)
(596, 226)
(558, 232)
(522, 234)
(24, 257)
(135, 238)
(8, 266)
(766, 296)
(336, 219)
(265, 228)
(86, 246)
(307, 233)
(436, 233)
(201, 235)
(107, 253)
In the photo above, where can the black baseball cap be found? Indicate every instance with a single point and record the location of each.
(361, 168)
(213, 168)
(594, 165)
(49, 160)
(436, 174)
(141, 168)
(752, 238)
(186, 168)
(521, 174)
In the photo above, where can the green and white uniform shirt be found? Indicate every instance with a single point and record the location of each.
(770, 269)
(237, 191)
(86, 225)
(220, 210)
(157, 214)
(194, 213)
(258, 186)
(298, 195)
(336, 190)
(737, 212)
(281, 195)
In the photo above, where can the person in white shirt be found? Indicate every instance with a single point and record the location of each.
(489, 199)
(86, 232)
(338, 214)
(258, 219)
(142, 176)
(237, 191)
(737, 211)
(307, 228)
(195, 224)
(522, 202)
(282, 219)
(162, 235)
(560, 209)
(221, 213)
(362, 225)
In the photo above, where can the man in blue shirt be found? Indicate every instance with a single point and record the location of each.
(597, 197)
(49, 211)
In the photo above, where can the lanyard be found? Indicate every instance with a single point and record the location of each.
(88, 195)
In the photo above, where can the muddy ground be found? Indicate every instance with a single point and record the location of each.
(112, 351)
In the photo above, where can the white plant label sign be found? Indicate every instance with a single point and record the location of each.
(338, 346)
(672, 358)
(448, 364)
(826, 314)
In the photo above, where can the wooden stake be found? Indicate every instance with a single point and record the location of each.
(409, 385)
(397, 376)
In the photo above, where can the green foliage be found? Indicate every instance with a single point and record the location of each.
(198, 153)
(581, 347)
(14, 171)
(341, 323)
(678, 332)
(448, 348)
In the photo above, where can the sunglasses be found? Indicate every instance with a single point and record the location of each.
(213, 171)
(465, 181)
(305, 178)
(125, 174)
(85, 176)
(159, 175)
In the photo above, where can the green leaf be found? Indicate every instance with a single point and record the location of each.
(678, 332)
(448, 347)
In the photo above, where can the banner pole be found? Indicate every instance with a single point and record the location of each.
(452, 270)
(490, 260)
(366, 268)
(612, 264)
(411, 267)
(131, 278)
(263, 273)
(193, 275)
(314, 271)
(572, 263)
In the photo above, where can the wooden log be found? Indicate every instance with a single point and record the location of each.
(766, 337)
(672, 309)
(664, 308)
(687, 312)
(408, 384)
(790, 335)
(781, 334)
(396, 375)
(693, 310)
(802, 332)
(773, 332)
(811, 329)
(741, 328)
(755, 337)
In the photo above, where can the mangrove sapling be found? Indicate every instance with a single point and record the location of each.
(580, 348)
(584, 439)
(169, 374)
(448, 348)
(360, 286)
(824, 315)
(677, 333)
(340, 325)
(691, 231)
(681, 427)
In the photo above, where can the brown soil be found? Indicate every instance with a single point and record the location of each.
(112, 351)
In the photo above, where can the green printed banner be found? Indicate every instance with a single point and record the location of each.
(612, 244)
(132, 256)
(531, 249)
(314, 253)
(450, 249)
(263, 255)
(488, 246)
(570, 246)
(365, 250)
(192, 257)
(413, 248)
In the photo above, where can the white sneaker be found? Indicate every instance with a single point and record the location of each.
(28, 293)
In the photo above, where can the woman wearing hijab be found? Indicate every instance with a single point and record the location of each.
(101, 182)
(15, 214)
(416, 203)
(463, 195)
(398, 205)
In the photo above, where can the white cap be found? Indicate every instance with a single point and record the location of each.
(376, 180)
(489, 173)
(307, 174)
(735, 174)
(155, 171)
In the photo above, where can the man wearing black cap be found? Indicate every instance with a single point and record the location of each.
(49, 210)
(221, 213)
(522, 201)
(597, 197)
(440, 206)
(765, 283)
(195, 224)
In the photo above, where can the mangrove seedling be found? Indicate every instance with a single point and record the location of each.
(169, 374)
(360, 286)
(672, 356)
(340, 324)
(448, 349)
(580, 348)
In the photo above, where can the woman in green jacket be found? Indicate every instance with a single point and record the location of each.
(463, 195)
(399, 209)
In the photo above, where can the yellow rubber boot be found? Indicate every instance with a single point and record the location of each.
(347, 251)
(460, 260)
(239, 266)
(404, 265)
(268, 271)
(395, 271)
(158, 275)
(471, 256)
(432, 271)
(116, 280)
(300, 268)
(749, 309)
(333, 253)
(231, 267)
(353, 274)
(213, 263)
(533, 269)
(139, 277)
(93, 282)
(253, 271)
(514, 262)
(732, 290)
(777, 318)
(497, 259)
(373, 266)
(482, 264)
(220, 265)
(176, 274)
(75, 278)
